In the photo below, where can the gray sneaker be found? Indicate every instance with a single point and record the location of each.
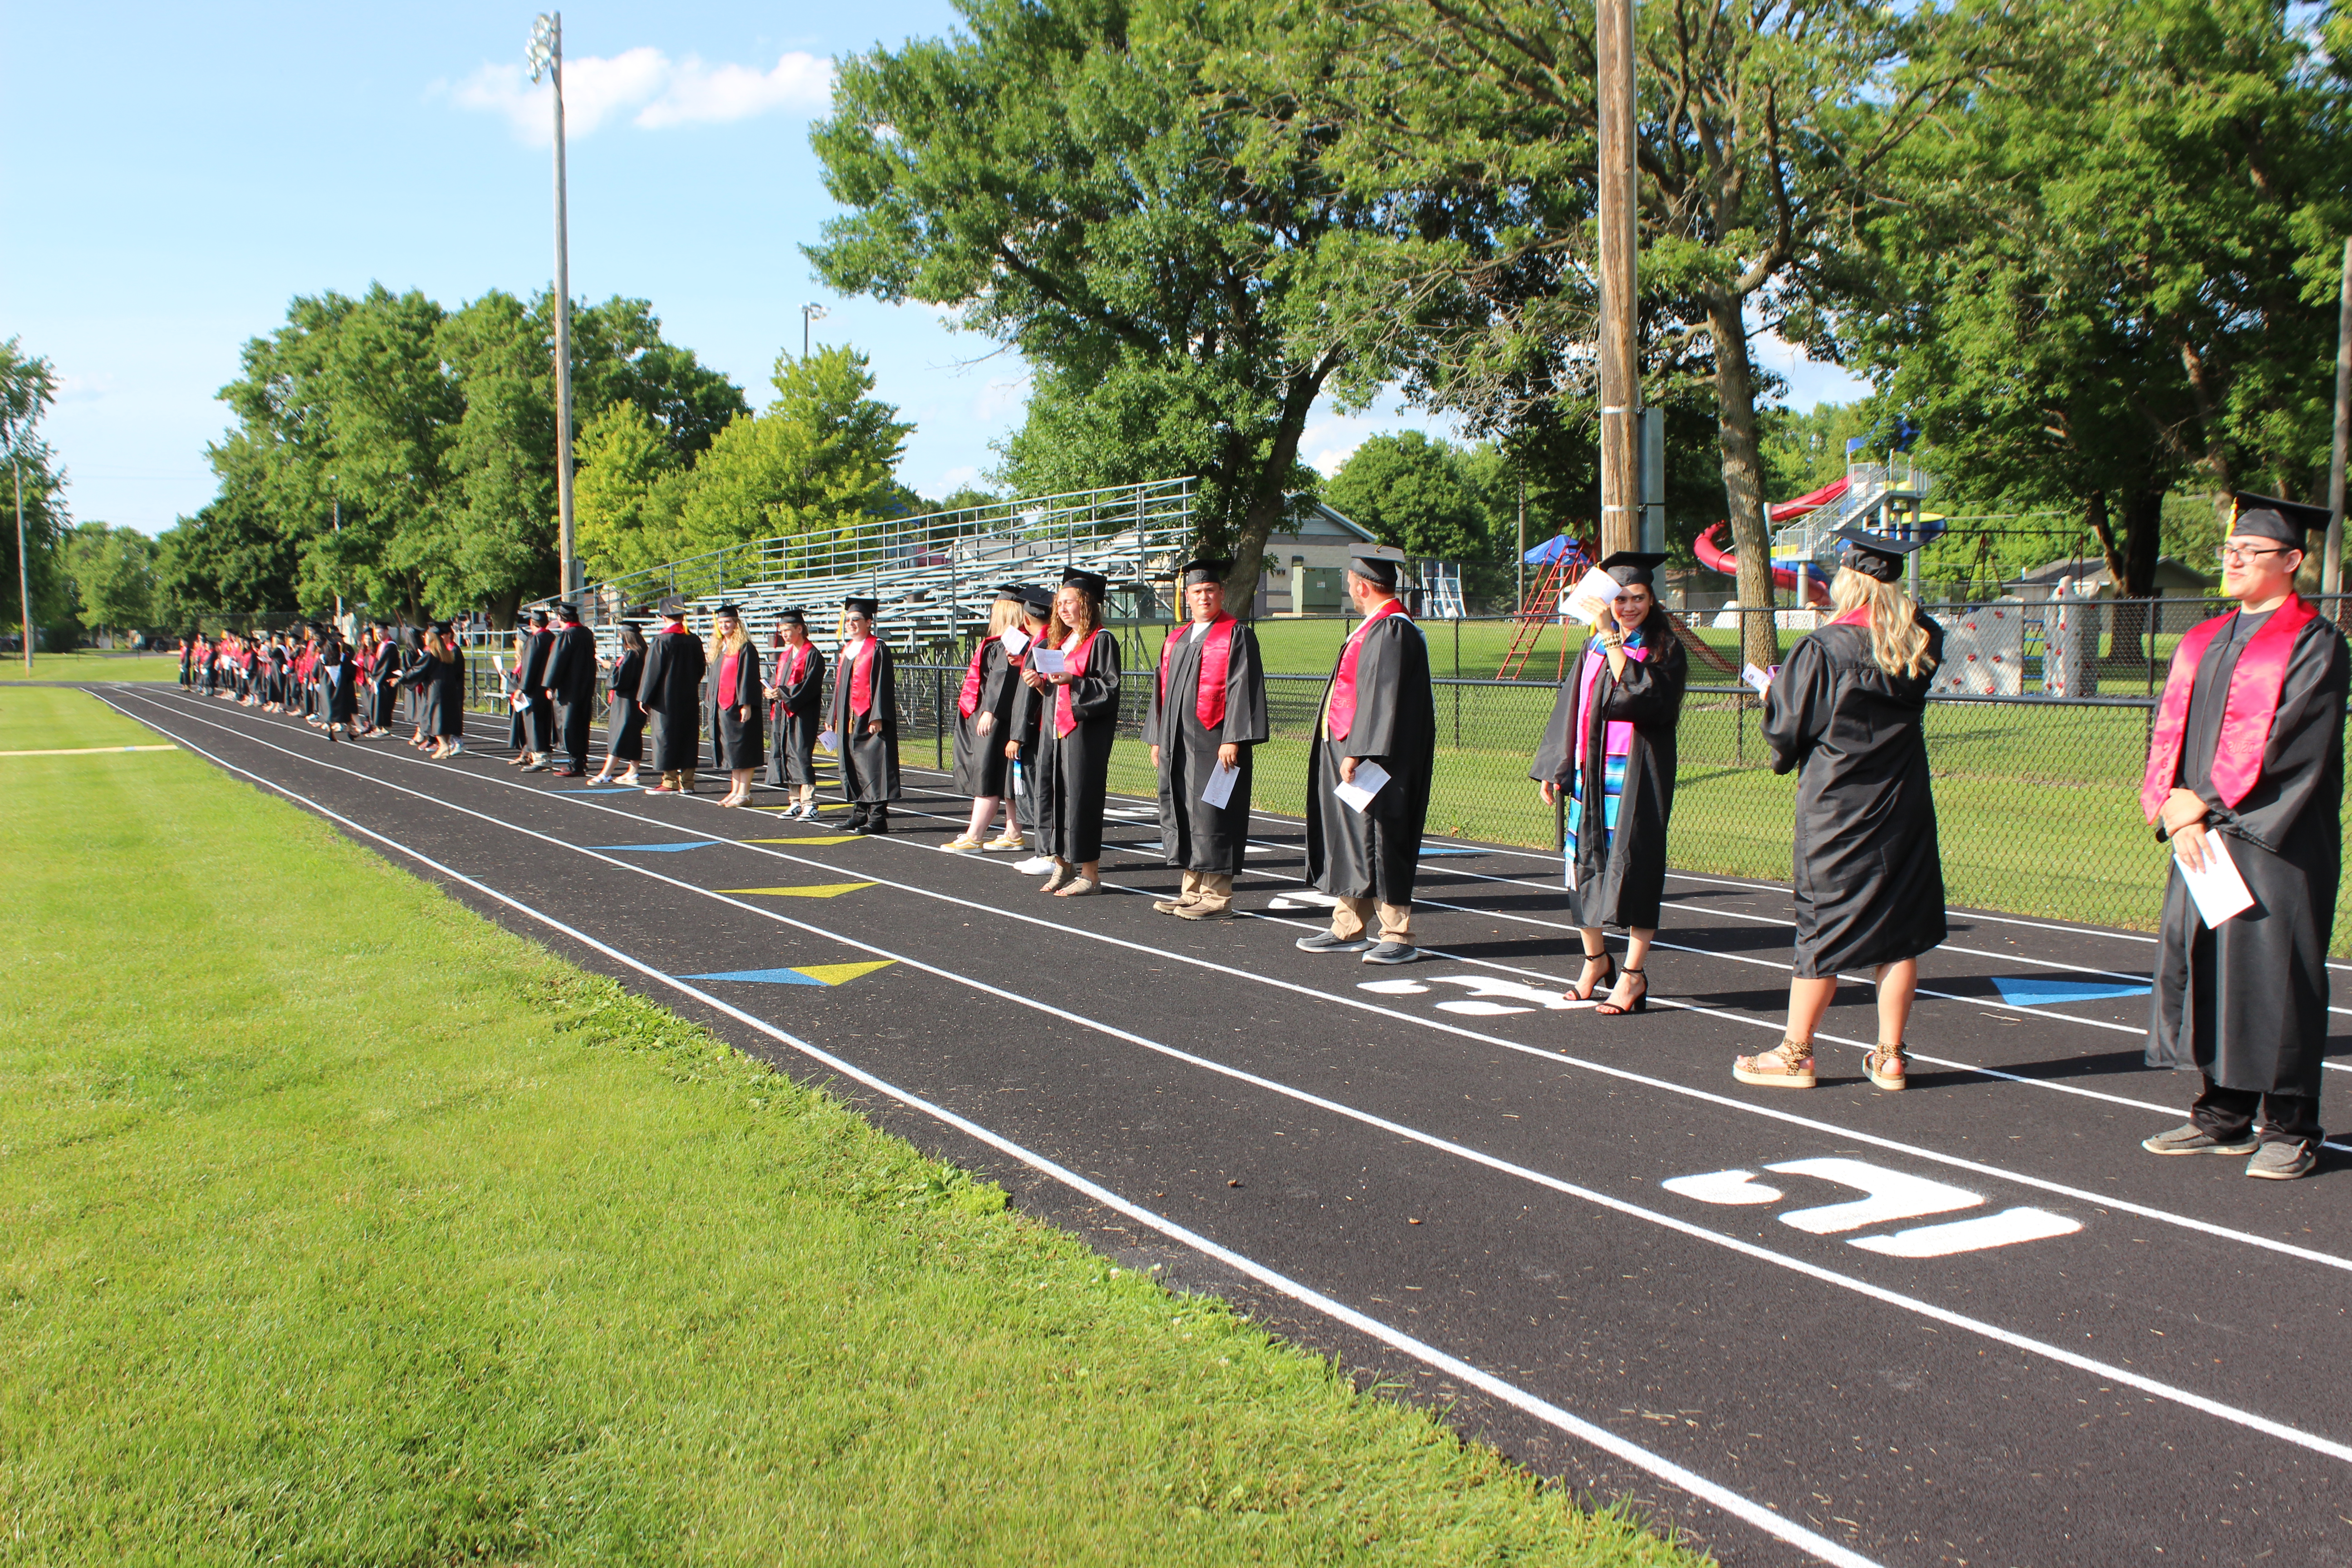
(1392, 952)
(1324, 942)
(2283, 1162)
(2192, 1138)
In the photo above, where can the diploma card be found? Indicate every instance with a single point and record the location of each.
(1220, 787)
(1593, 596)
(1369, 777)
(2218, 890)
(1014, 640)
(1757, 678)
(829, 739)
(1050, 661)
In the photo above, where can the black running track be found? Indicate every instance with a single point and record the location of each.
(1970, 1323)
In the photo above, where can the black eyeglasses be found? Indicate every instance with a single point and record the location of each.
(2241, 554)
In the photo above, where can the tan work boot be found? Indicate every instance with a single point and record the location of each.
(1189, 895)
(1212, 899)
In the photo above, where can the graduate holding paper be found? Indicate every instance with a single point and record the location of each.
(1079, 722)
(1023, 725)
(1207, 713)
(1610, 748)
(865, 719)
(984, 714)
(1380, 719)
(1846, 713)
(2245, 767)
(797, 700)
(670, 691)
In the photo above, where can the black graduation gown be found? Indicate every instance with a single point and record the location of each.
(981, 764)
(539, 717)
(1374, 853)
(869, 763)
(1869, 878)
(571, 673)
(440, 689)
(1620, 878)
(339, 678)
(625, 717)
(2247, 1003)
(387, 685)
(738, 745)
(796, 717)
(1196, 835)
(518, 719)
(1021, 783)
(1074, 777)
(671, 692)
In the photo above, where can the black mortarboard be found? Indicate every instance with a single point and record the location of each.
(791, 618)
(2279, 522)
(1039, 601)
(1875, 555)
(734, 610)
(568, 610)
(869, 608)
(1012, 590)
(1377, 569)
(1630, 567)
(1208, 569)
(539, 617)
(1094, 583)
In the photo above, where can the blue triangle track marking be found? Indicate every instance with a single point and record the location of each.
(2040, 991)
(658, 849)
(760, 977)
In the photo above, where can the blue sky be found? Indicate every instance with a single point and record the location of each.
(193, 168)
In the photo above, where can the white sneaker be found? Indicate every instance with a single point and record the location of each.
(1035, 865)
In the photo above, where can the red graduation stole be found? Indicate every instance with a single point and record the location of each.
(2247, 709)
(967, 703)
(800, 662)
(1342, 717)
(1216, 660)
(1066, 719)
(861, 679)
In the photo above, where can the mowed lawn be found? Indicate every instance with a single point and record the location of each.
(89, 664)
(337, 1224)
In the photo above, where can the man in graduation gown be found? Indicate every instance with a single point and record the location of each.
(1378, 709)
(670, 691)
(797, 709)
(866, 719)
(2247, 758)
(1207, 712)
(538, 714)
(572, 689)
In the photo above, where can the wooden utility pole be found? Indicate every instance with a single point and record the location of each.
(2331, 564)
(1621, 379)
(547, 59)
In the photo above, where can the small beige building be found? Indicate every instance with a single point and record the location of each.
(1304, 566)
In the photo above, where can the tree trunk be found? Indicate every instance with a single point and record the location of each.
(2143, 518)
(1265, 500)
(1743, 479)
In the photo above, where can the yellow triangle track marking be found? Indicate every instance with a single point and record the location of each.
(820, 890)
(845, 838)
(839, 974)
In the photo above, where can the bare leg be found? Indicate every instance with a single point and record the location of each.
(1808, 1000)
(1630, 982)
(983, 813)
(1596, 963)
(1897, 983)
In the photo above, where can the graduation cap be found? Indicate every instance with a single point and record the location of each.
(732, 612)
(2279, 522)
(1093, 582)
(539, 617)
(791, 618)
(1207, 569)
(1037, 600)
(674, 607)
(869, 608)
(569, 612)
(1629, 568)
(1875, 555)
(1375, 569)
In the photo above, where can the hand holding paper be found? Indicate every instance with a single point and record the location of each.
(1761, 681)
(1593, 594)
(1014, 640)
(2216, 889)
(1220, 787)
(828, 740)
(1359, 793)
(1050, 661)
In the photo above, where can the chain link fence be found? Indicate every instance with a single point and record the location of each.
(2036, 788)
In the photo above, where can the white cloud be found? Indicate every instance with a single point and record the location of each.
(1000, 399)
(644, 84)
(955, 478)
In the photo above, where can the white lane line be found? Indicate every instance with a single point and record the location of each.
(2096, 1200)
(1749, 1511)
(2230, 1414)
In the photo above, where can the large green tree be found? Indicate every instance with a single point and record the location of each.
(28, 387)
(2116, 273)
(113, 574)
(1060, 174)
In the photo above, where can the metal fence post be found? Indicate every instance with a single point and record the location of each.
(938, 718)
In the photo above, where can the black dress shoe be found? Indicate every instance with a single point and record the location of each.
(877, 822)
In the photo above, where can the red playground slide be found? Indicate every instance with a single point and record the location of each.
(1715, 558)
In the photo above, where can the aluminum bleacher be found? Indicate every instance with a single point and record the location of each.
(935, 575)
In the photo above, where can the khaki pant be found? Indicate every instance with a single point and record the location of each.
(1208, 891)
(679, 779)
(1350, 917)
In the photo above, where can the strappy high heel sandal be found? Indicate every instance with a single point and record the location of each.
(1888, 1066)
(1639, 1004)
(1584, 992)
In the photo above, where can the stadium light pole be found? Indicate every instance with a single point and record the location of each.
(810, 313)
(546, 59)
(1620, 380)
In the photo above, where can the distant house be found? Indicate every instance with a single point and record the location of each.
(2175, 579)
(1306, 560)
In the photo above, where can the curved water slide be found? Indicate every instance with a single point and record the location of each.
(1713, 555)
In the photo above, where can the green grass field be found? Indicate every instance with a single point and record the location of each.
(89, 663)
(341, 1225)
